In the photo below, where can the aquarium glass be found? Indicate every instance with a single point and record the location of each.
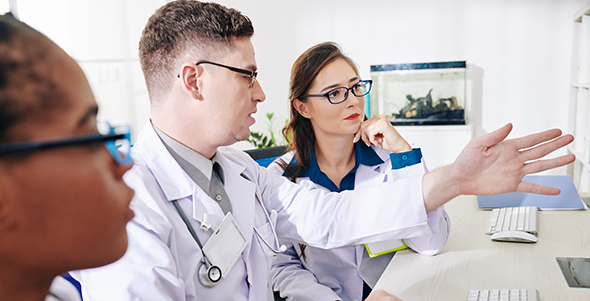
(419, 94)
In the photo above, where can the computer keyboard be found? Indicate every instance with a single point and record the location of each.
(513, 219)
(530, 294)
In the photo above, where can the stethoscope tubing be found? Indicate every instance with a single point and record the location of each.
(205, 261)
(272, 227)
(191, 230)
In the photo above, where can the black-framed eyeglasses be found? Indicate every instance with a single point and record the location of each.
(117, 141)
(251, 74)
(340, 94)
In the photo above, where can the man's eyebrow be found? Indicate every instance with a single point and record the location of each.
(92, 112)
(251, 67)
(356, 78)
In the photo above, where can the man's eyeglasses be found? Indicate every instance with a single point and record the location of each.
(251, 74)
(117, 141)
(340, 94)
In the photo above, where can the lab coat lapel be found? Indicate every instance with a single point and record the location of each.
(241, 194)
(371, 175)
(368, 175)
(173, 180)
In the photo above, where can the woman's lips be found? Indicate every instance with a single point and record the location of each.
(352, 116)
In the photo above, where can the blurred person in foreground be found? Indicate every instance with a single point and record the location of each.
(63, 202)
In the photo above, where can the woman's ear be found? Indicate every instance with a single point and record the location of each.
(301, 107)
(190, 76)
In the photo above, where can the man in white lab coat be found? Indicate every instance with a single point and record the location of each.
(200, 70)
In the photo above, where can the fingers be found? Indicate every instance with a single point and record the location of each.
(544, 149)
(367, 139)
(372, 130)
(361, 134)
(542, 165)
(494, 137)
(379, 131)
(358, 134)
(536, 188)
(534, 139)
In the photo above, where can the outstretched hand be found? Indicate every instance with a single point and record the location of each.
(379, 131)
(489, 164)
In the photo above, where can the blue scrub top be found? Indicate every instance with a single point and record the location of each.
(364, 155)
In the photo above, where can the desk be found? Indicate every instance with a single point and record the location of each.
(471, 260)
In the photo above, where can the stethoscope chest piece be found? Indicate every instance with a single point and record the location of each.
(209, 276)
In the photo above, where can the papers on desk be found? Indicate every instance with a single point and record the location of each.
(568, 199)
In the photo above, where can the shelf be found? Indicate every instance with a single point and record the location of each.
(577, 85)
(579, 157)
(440, 128)
(585, 10)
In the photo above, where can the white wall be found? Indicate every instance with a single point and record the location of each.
(518, 51)
(103, 37)
(4, 7)
(521, 48)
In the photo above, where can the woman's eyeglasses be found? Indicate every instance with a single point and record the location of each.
(340, 94)
(117, 141)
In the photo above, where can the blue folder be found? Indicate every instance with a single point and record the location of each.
(567, 199)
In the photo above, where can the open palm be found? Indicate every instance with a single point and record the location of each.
(491, 165)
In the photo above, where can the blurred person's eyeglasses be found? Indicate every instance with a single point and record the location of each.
(117, 141)
(340, 94)
(251, 75)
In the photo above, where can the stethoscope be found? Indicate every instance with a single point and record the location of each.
(210, 274)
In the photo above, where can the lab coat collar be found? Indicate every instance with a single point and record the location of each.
(175, 183)
(228, 162)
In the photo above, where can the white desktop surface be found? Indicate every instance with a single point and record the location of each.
(471, 260)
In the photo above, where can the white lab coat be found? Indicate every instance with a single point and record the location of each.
(338, 273)
(62, 290)
(162, 259)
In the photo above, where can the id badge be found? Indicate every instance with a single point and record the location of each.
(225, 245)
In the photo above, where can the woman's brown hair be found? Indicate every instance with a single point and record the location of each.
(299, 132)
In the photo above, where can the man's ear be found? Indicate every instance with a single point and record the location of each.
(301, 107)
(190, 76)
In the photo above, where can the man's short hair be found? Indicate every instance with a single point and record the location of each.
(27, 91)
(182, 30)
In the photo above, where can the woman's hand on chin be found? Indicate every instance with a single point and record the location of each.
(379, 131)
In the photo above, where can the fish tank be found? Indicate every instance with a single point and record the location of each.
(420, 93)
